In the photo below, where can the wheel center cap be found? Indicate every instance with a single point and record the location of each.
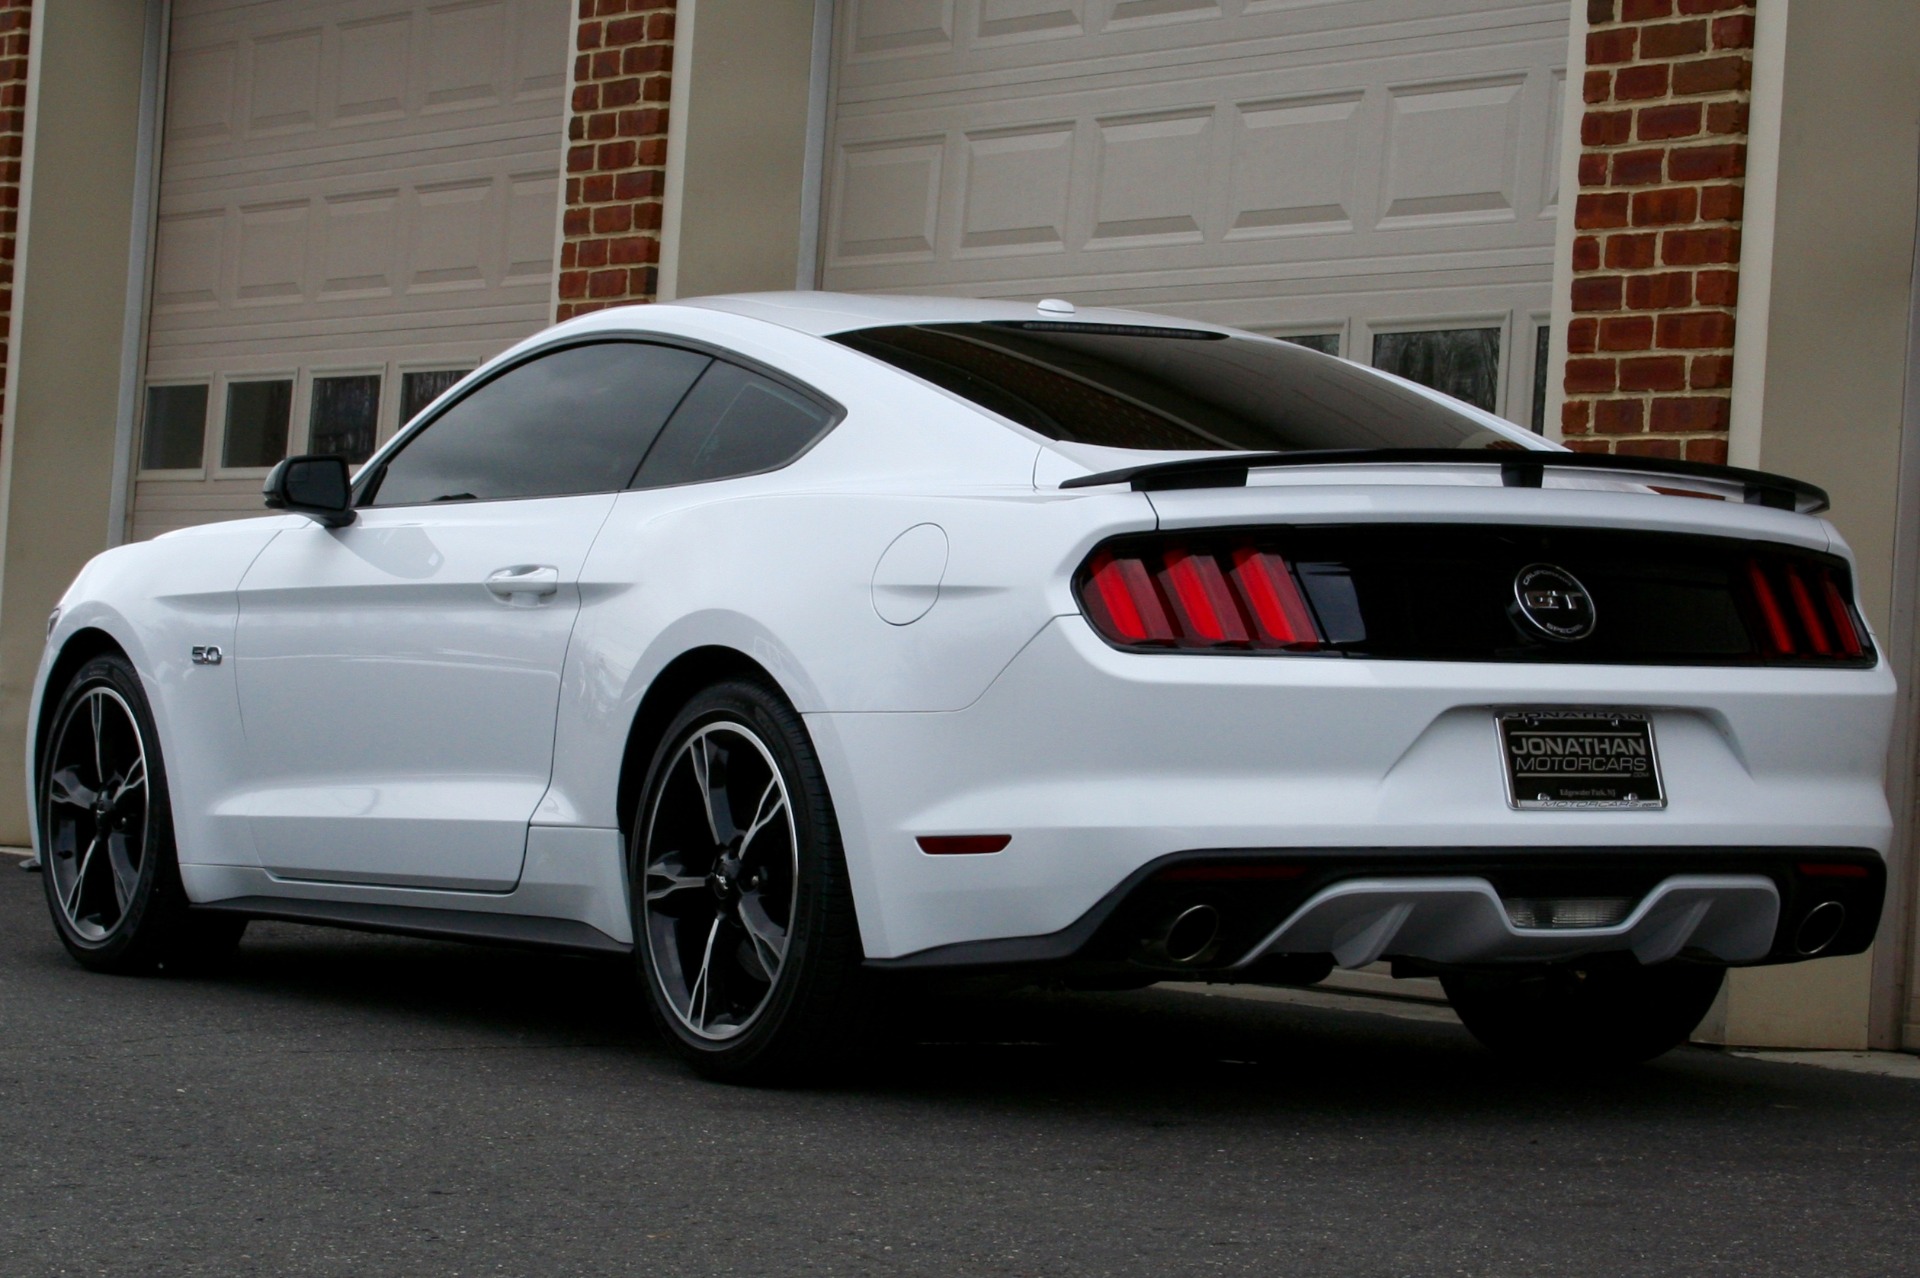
(725, 878)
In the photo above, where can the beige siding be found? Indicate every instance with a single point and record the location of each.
(348, 186)
(1349, 167)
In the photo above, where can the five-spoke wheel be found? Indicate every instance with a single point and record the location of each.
(743, 920)
(723, 859)
(96, 812)
(106, 832)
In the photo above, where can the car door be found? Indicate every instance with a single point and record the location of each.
(399, 678)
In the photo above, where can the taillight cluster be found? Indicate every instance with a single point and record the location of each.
(1803, 612)
(1237, 597)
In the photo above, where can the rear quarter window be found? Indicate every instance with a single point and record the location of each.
(734, 422)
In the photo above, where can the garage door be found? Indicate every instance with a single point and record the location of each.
(358, 201)
(1375, 177)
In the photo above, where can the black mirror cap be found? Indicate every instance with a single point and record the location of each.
(315, 486)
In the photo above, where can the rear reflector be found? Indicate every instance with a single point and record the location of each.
(962, 844)
(1236, 597)
(1832, 870)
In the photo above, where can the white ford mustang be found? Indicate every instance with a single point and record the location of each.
(786, 641)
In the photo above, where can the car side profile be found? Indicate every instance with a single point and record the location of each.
(795, 643)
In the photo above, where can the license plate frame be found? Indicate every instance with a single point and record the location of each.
(1579, 758)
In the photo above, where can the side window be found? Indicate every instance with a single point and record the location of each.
(576, 421)
(733, 423)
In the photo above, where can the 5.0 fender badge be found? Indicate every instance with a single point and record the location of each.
(1552, 603)
(206, 655)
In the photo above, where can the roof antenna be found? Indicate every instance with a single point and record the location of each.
(1055, 306)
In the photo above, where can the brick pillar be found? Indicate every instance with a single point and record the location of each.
(1655, 261)
(616, 155)
(14, 18)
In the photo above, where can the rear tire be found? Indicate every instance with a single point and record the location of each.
(744, 925)
(109, 865)
(1600, 1017)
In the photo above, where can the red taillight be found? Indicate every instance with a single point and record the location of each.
(1803, 614)
(1810, 623)
(1119, 596)
(1237, 597)
(1779, 638)
(1268, 587)
(1842, 616)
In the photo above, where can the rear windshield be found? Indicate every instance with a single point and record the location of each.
(1121, 386)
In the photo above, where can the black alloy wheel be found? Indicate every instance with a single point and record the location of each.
(106, 833)
(743, 920)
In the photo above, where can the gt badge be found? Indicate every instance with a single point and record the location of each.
(1553, 603)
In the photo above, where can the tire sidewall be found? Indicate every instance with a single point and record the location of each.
(133, 940)
(760, 710)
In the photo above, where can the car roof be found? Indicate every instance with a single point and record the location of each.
(824, 314)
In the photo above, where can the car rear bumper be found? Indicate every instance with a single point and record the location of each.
(1454, 908)
(1100, 764)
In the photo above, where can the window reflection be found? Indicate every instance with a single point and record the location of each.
(1461, 362)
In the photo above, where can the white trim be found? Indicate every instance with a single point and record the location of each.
(1896, 955)
(1762, 200)
(566, 146)
(813, 176)
(680, 96)
(1572, 112)
(140, 263)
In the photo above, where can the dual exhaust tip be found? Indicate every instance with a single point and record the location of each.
(1187, 937)
(1820, 928)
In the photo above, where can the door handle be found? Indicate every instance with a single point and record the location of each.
(524, 585)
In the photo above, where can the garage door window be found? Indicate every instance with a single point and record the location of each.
(1461, 362)
(346, 416)
(1325, 343)
(733, 423)
(257, 417)
(175, 435)
(574, 421)
(417, 390)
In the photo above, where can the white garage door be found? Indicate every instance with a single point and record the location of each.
(1378, 177)
(358, 199)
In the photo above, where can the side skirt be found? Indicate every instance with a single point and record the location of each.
(433, 924)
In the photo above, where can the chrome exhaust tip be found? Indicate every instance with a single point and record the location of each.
(1188, 937)
(1820, 928)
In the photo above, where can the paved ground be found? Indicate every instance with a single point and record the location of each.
(358, 1106)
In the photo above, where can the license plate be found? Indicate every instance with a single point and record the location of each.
(1580, 759)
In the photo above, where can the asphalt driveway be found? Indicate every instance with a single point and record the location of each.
(341, 1104)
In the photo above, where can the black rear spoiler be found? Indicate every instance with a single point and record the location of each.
(1519, 468)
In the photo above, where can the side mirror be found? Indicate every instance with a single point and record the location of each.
(317, 487)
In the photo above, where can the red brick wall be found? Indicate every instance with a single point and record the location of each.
(1656, 258)
(616, 155)
(14, 17)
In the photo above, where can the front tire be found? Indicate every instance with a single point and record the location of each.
(1585, 1018)
(743, 919)
(106, 833)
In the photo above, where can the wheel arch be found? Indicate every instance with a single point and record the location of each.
(676, 683)
(81, 646)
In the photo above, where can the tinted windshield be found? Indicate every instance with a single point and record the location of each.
(1162, 388)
